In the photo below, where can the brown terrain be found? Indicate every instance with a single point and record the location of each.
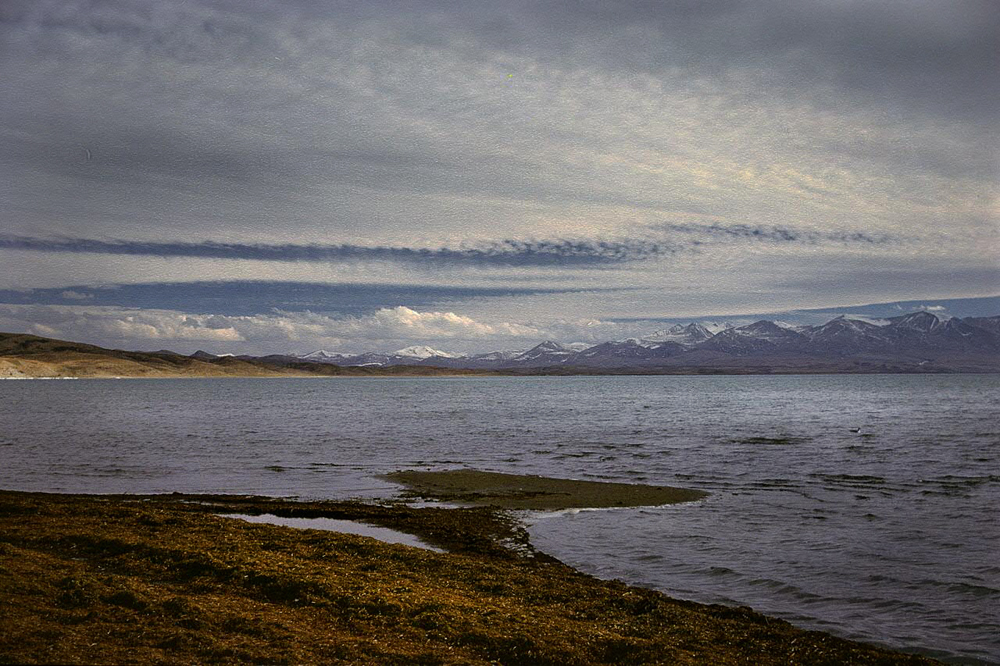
(165, 579)
(31, 356)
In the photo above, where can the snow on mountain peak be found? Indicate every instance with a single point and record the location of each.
(504, 355)
(423, 351)
(714, 327)
(547, 349)
(683, 334)
(843, 334)
(874, 321)
(922, 320)
(320, 354)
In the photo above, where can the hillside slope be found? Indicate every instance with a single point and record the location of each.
(24, 356)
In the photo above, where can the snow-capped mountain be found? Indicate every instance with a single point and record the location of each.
(687, 336)
(323, 355)
(368, 358)
(760, 336)
(922, 321)
(498, 356)
(626, 352)
(714, 327)
(545, 353)
(928, 331)
(913, 340)
(423, 351)
(846, 335)
(876, 321)
(407, 356)
(791, 327)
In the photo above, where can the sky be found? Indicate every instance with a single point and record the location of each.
(254, 177)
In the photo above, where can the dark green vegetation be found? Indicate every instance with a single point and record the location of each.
(87, 579)
(518, 491)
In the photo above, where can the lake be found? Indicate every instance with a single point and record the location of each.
(865, 506)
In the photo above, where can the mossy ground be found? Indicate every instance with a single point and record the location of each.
(524, 491)
(142, 580)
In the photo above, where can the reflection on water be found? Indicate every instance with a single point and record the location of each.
(861, 505)
(334, 525)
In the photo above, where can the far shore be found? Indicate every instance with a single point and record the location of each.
(430, 372)
(24, 356)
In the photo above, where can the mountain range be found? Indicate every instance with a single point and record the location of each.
(910, 341)
(915, 342)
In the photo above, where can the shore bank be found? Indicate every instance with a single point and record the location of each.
(129, 579)
(522, 491)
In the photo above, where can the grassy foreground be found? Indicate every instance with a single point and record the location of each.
(87, 579)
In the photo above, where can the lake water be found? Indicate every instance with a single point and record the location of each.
(861, 505)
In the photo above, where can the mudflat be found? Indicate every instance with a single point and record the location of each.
(517, 491)
(164, 579)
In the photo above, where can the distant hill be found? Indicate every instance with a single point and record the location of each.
(29, 356)
(916, 342)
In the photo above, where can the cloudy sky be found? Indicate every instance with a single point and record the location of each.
(268, 177)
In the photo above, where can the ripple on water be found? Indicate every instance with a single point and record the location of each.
(901, 513)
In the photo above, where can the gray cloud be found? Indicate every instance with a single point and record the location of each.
(779, 234)
(251, 297)
(900, 278)
(771, 136)
(512, 253)
(240, 94)
(939, 56)
(508, 253)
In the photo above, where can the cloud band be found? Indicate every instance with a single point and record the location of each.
(511, 253)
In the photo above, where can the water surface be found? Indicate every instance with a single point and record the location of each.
(861, 505)
(359, 528)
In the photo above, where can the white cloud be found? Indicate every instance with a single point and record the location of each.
(388, 328)
(113, 325)
(407, 323)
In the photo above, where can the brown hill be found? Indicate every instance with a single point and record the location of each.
(28, 356)
(33, 356)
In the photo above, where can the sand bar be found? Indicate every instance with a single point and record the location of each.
(517, 491)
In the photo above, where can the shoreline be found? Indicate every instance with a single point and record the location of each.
(162, 578)
(445, 373)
